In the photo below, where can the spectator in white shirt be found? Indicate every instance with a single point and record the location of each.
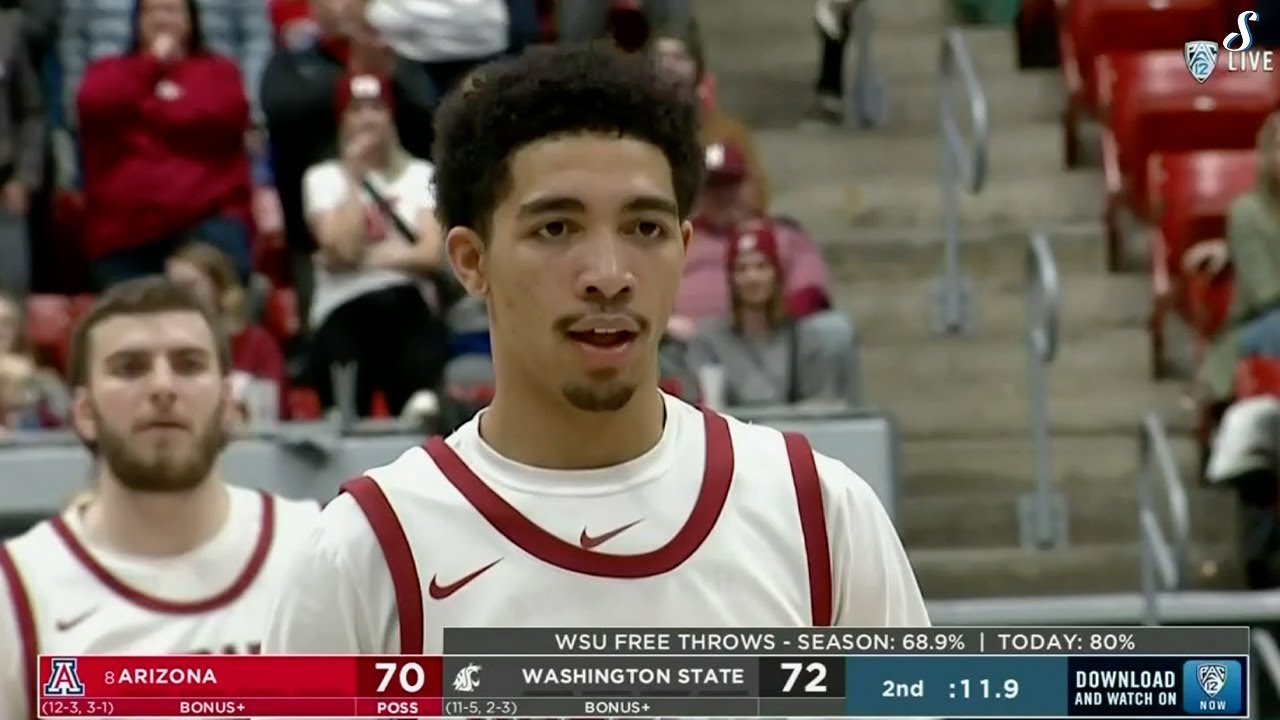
(372, 214)
(450, 38)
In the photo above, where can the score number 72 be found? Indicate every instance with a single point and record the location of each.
(796, 672)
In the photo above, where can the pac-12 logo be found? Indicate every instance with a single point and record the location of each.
(1201, 56)
(1212, 687)
(64, 679)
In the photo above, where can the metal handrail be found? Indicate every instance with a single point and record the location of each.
(1044, 303)
(1267, 654)
(1164, 556)
(964, 169)
(969, 158)
(1044, 299)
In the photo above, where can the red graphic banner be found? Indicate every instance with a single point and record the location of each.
(232, 685)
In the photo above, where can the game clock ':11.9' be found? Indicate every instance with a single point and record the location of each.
(983, 689)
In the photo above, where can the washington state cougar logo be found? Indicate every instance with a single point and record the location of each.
(1212, 679)
(466, 680)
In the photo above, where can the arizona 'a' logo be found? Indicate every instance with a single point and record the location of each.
(1201, 57)
(1212, 678)
(64, 679)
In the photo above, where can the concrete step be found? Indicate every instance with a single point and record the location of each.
(1016, 151)
(1082, 463)
(994, 50)
(1094, 516)
(902, 309)
(1105, 405)
(1001, 364)
(891, 254)
(1081, 569)
(716, 16)
(766, 64)
(910, 16)
(834, 204)
(1030, 96)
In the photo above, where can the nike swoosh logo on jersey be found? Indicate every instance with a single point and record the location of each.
(66, 625)
(440, 592)
(588, 541)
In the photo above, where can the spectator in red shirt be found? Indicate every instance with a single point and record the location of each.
(725, 208)
(162, 132)
(257, 363)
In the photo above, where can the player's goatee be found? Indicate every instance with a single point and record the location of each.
(599, 399)
(173, 471)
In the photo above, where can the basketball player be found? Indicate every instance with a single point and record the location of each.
(582, 496)
(161, 556)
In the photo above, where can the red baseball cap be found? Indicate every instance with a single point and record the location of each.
(726, 164)
(757, 236)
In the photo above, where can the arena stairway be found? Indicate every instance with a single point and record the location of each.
(872, 198)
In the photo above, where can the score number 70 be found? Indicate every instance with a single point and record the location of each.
(816, 672)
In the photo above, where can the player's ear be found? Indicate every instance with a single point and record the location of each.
(686, 234)
(230, 408)
(465, 249)
(82, 419)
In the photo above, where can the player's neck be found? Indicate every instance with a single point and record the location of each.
(524, 430)
(155, 524)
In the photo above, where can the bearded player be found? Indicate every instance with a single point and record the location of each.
(583, 496)
(161, 556)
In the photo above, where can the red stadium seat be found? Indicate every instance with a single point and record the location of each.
(1089, 29)
(304, 404)
(1190, 194)
(1256, 376)
(1150, 103)
(280, 314)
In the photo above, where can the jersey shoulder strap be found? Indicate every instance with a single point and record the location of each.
(25, 617)
(813, 523)
(399, 557)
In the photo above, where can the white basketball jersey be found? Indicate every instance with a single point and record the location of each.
(67, 601)
(721, 524)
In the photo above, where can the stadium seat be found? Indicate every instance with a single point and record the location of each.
(1256, 376)
(48, 328)
(1089, 29)
(1150, 103)
(1190, 193)
(304, 404)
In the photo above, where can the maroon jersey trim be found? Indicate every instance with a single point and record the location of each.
(233, 592)
(813, 523)
(21, 602)
(399, 556)
(717, 476)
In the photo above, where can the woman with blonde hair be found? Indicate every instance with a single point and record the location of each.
(257, 363)
(372, 212)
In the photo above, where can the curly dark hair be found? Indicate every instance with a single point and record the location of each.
(549, 92)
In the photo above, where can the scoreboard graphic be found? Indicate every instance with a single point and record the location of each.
(1019, 672)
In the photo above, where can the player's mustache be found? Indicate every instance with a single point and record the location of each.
(566, 323)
